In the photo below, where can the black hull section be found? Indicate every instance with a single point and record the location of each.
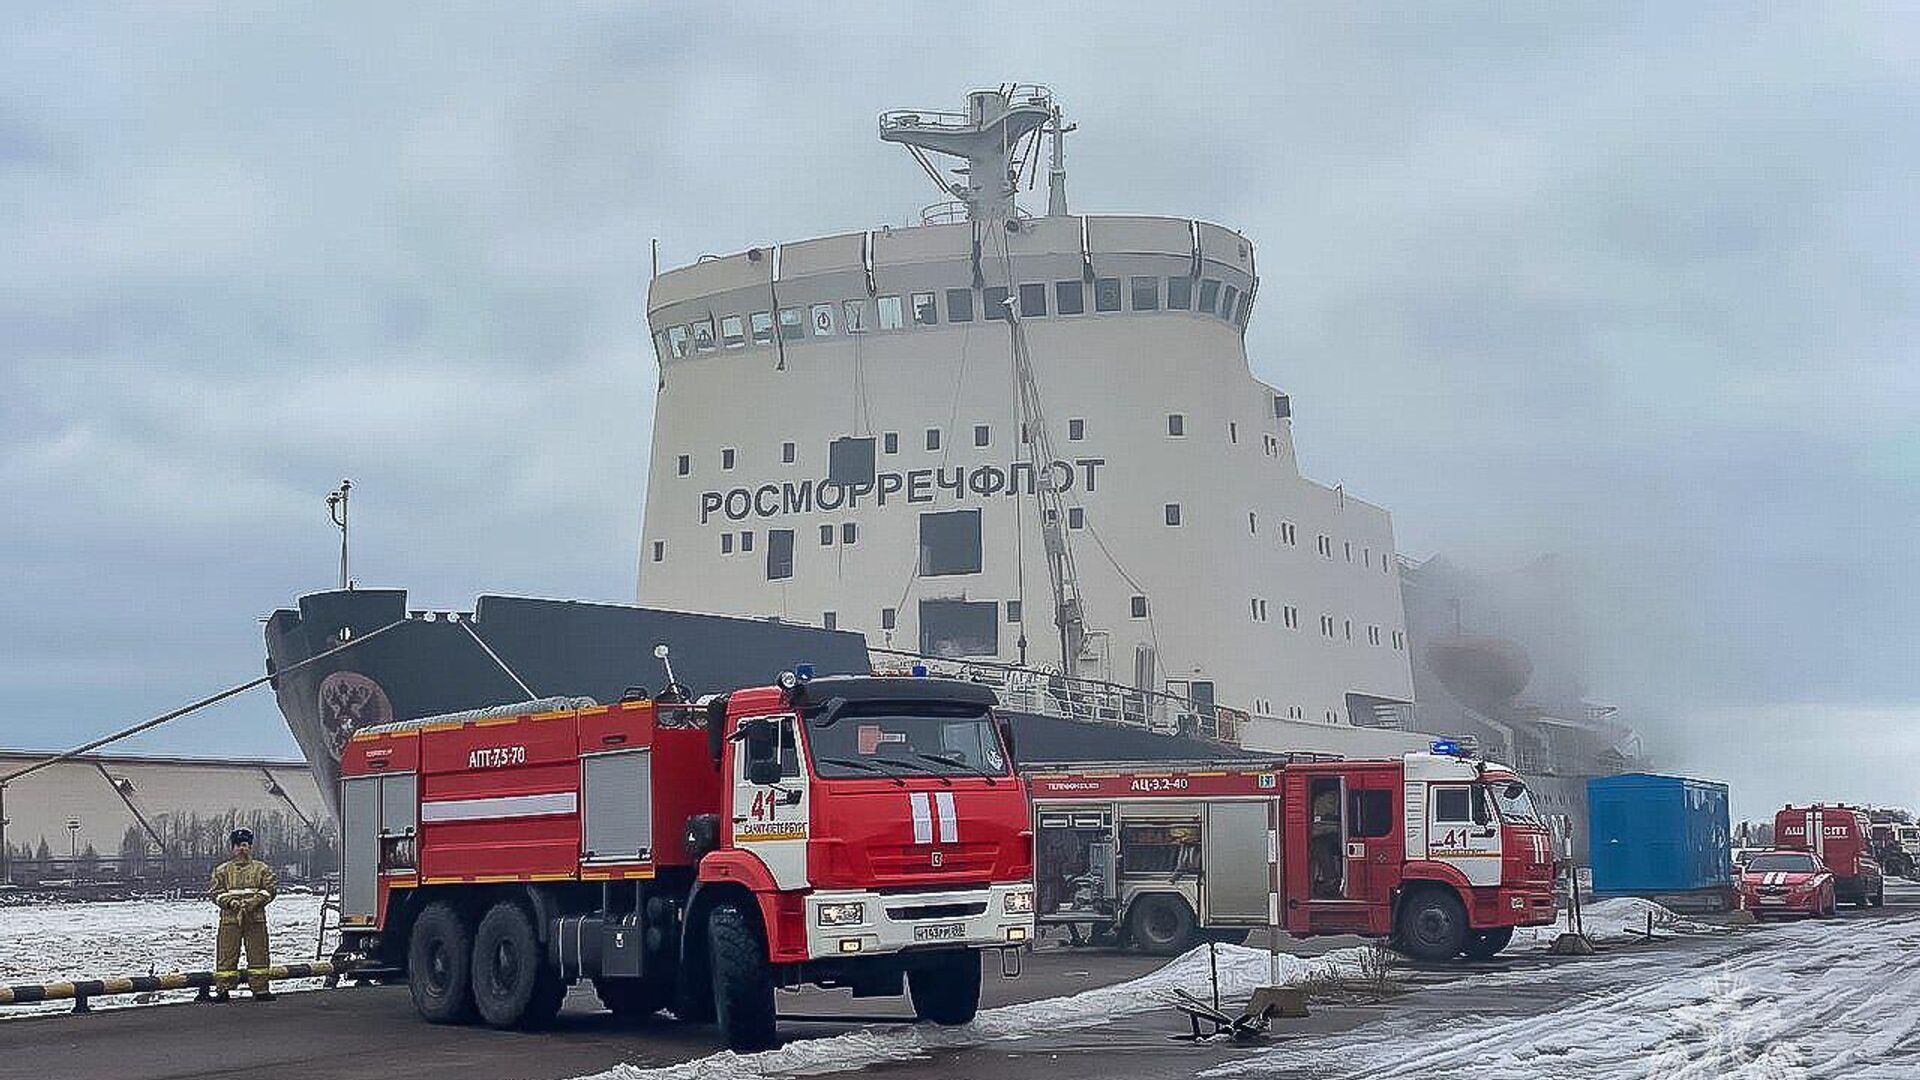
(425, 664)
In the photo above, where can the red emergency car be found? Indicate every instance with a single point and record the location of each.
(1841, 837)
(1779, 883)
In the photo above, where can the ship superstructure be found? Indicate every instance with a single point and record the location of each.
(1026, 441)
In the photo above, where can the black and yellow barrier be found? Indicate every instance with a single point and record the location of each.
(80, 990)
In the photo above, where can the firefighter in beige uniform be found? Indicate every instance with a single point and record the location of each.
(242, 887)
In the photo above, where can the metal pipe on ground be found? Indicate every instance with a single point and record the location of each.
(79, 991)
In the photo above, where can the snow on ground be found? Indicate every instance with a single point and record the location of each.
(1620, 919)
(1241, 971)
(1810, 1000)
(77, 940)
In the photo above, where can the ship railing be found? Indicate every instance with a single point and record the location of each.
(951, 212)
(1047, 692)
(1019, 96)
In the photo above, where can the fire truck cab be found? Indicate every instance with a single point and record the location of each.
(1842, 837)
(850, 831)
(1440, 854)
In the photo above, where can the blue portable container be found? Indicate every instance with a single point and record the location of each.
(1658, 836)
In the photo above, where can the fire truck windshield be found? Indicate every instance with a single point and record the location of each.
(927, 741)
(1514, 801)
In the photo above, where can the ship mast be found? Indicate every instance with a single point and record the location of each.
(991, 139)
(997, 138)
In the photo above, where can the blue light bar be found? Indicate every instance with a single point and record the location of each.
(803, 672)
(919, 671)
(1446, 748)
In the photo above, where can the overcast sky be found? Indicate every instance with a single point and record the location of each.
(1626, 284)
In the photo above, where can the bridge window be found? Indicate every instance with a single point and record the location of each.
(959, 305)
(733, 332)
(1146, 294)
(924, 311)
(677, 342)
(1209, 294)
(1033, 299)
(703, 335)
(855, 312)
(761, 323)
(1071, 297)
(1179, 293)
(779, 554)
(1106, 294)
(793, 325)
(1138, 607)
(823, 320)
(890, 313)
(959, 628)
(950, 543)
(1227, 298)
(993, 301)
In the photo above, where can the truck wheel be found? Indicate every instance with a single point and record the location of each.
(439, 958)
(512, 983)
(946, 991)
(632, 1001)
(742, 979)
(1485, 944)
(1162, 925)
(1432, 926)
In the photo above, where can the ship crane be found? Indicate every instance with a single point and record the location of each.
(1069, 615)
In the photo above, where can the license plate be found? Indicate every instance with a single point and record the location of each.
(940, 932)
(1773, 900)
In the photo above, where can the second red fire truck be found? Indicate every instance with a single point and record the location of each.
(1442, 855)
(851, 831)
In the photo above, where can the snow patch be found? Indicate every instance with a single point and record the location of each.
(1616, 920)
(80, 940)
(1242, 970)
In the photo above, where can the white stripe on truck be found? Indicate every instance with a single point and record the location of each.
(505, 806)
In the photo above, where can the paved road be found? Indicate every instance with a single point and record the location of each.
(1529, 1001)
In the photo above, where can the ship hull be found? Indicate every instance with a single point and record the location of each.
(403, 665)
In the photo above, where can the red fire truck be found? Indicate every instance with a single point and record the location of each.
(1842, 837)
(845, 831)
(1441, 854)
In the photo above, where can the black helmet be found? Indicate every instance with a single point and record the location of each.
(239, 836)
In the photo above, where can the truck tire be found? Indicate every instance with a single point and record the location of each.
(632, 1001)
(1485, 944)
(513, 985)
(946, 991)
(439, 960)
(1162, 924)
(742, 979)
(1432, 926)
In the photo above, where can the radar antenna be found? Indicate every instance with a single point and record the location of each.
(988, 138)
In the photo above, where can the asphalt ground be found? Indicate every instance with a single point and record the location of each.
(371, 1033)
